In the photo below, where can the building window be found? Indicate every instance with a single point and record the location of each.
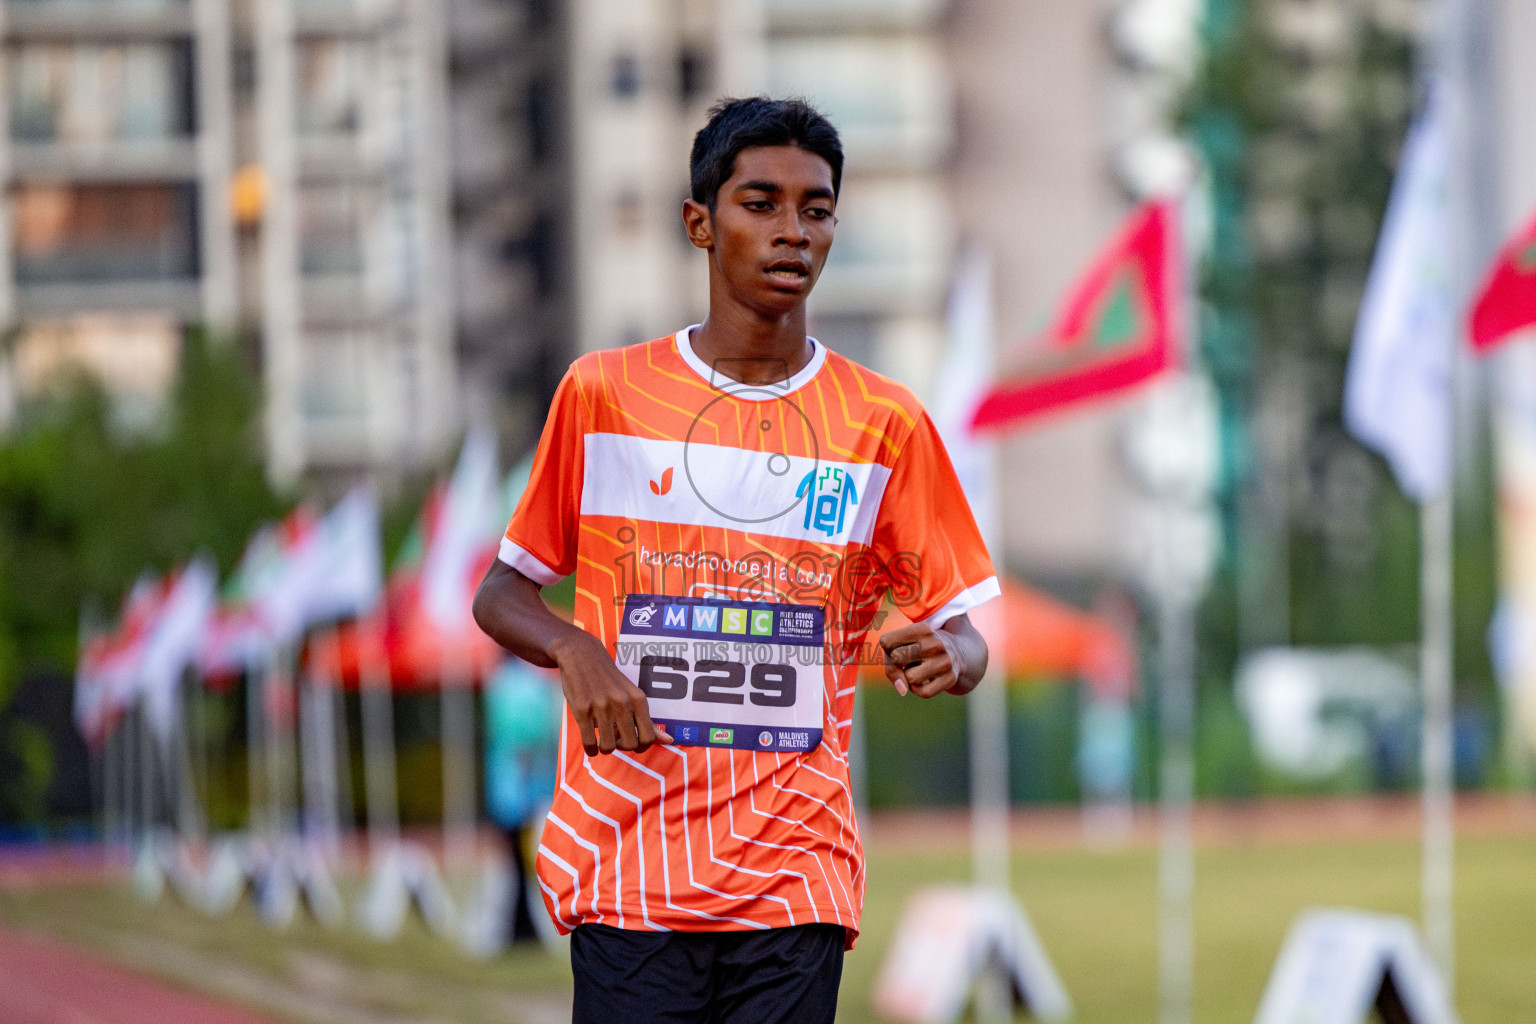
(537, 250)
(98, 233)
(131, 354)
(76, 93)
(625, 78)
(113, 8)
(889, 97)
(331, 87)
(541, 13)
(542, 119)
(692, 74)
(331, 219)
(338, 367)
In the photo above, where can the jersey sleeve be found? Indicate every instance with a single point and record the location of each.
(925, 534)
(540, 541)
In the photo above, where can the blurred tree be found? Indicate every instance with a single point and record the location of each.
(87, 504)
(1298, 114)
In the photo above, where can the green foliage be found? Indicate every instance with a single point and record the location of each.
(1300, 135)
(915, 749)
(86, 505)
(1300, 138)
(1042, 742)
(25, 798)
(1224, 762)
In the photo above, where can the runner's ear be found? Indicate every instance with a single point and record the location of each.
(698, 224)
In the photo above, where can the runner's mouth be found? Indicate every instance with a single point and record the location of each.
(786, 270)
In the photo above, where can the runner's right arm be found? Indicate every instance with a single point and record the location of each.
(611, 712)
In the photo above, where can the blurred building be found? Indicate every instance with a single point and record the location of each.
(275, 168)
(424, 210)
(512, 162)
(110, 169)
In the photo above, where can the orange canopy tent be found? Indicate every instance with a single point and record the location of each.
(1045, 638)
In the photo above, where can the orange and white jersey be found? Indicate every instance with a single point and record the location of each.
(731, 545)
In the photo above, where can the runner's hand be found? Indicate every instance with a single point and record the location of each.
(922, 659)
(611, 712)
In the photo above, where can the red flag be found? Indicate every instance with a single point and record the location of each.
(1507, 301)
(1115, 330)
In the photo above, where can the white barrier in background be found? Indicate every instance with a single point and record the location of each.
(1336, 966)
(949, 939)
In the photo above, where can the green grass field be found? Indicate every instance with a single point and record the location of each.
(1094, 911)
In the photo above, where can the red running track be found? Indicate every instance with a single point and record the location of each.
(46, 982)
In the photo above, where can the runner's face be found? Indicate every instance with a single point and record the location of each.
(772, 226)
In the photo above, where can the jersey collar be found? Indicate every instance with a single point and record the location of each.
(750, 392)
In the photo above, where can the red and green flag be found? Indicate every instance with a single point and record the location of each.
(1507, 302)
(1115, 330)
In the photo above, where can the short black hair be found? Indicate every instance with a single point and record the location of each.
(736, 124)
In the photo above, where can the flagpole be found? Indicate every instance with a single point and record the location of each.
(1176, 779)
(255, 682)
(458, 741)
(1437, 545)
(109, 776)
(346, 805)
(1180, 568)
(1436, 529)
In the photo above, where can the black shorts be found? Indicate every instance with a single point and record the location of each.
(758, 977)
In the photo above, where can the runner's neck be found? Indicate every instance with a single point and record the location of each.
(752, 356)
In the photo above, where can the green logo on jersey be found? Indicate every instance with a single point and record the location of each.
(721, 735)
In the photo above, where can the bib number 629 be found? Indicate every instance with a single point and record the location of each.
(717, 682)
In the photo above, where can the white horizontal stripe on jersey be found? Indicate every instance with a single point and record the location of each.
(970, 597)
(733, 488)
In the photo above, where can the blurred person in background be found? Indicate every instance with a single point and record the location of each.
(522, 727)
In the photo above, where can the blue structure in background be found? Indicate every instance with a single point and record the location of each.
(523, 705)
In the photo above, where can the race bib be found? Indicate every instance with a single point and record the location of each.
(741, 674)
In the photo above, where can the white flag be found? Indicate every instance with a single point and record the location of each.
(349, 567)
(466, 527)
(965, 377)
(279, 572)
(107, 672)
(1397, 392)
(174, 641)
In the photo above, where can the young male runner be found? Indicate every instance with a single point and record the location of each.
(735, 501)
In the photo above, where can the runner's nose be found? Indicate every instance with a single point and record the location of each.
(792, 231)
